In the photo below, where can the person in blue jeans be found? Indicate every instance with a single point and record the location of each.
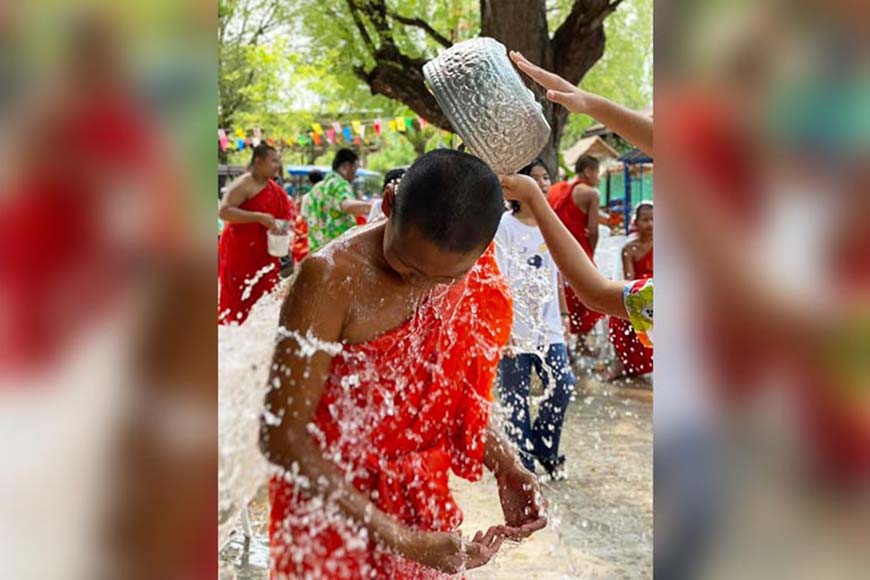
(537, 337)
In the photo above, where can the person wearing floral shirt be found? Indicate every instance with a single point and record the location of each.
(330, 208)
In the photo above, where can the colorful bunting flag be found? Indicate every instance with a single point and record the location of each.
(353, 132)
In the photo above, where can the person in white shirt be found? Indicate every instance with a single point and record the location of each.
(537, 337)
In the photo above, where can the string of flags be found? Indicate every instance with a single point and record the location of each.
(353, 133)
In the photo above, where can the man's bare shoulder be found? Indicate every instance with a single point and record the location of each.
(584, 196)
(338, 269)
(244, 183)
(584, 191)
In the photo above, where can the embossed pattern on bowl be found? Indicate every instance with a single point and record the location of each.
(487, 104)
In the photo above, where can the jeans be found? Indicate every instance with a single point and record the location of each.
(538, 440)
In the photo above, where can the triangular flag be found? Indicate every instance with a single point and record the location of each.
(330, 135)
(423, 122)
(378, 124)
(400, 124)
(318, 130)
(409, 123)
(240, 134)
(336, 126)
(347, 135)
(222, 139)
(358, 128)
(241, 144)
(393, 125)
(317, 138)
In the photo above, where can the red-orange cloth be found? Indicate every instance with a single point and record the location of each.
(64, 261)
(245, 268)
(576, 220)
(397, 414)
(636, 358)
(300, 247)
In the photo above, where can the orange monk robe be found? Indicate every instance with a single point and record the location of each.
(245, 268)
(398, 413)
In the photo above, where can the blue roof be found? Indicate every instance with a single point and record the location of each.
(635, 156)
(306, 169)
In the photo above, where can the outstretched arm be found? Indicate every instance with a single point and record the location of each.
(632, 126)
(356, 207)
(592, 288)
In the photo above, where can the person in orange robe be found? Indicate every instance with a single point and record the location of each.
(577, 207)
(381, 386)
(251, 207)
(632, 357)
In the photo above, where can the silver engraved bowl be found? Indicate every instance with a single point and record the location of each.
(487, 104)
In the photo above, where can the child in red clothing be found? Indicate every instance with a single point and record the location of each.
(632, 357)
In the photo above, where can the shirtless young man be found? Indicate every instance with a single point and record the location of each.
(381, 385)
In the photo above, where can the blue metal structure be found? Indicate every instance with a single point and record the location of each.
(305, 169)
(633, 157)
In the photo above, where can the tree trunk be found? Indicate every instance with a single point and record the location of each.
(523, 26)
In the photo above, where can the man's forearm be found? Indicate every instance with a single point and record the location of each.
(634, 127)
(356, 207)
(324, 478)
(499, 455)
(590, 285)
(240, 216)
(593, 240)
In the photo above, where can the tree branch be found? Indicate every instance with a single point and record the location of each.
(360, 25)
(423, 25)
(579, 41)
(403, 81)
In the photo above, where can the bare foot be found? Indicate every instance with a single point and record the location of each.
(616, 372)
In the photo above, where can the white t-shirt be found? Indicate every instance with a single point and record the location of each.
(528, 267)
(376, 212)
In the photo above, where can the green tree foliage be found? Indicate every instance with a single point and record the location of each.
(284, 65)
